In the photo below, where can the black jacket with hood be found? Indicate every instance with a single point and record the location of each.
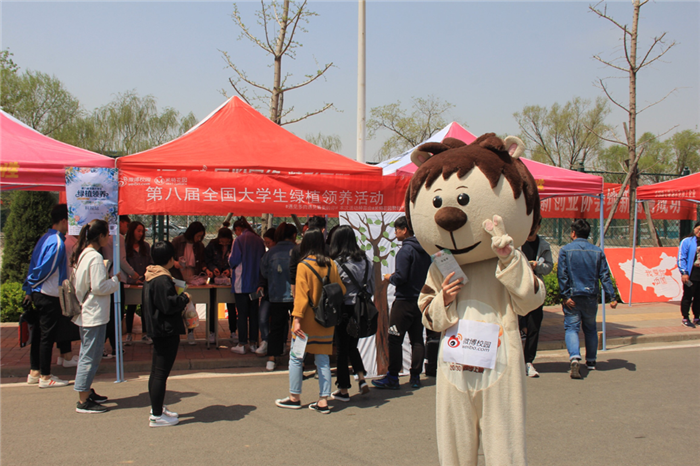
(161, 306)
(412, 264)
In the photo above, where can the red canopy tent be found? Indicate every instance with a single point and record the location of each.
(686, 188)
(551, 181)
(36, 162)
(237, 160)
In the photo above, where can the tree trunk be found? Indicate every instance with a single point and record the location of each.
(276, 98)
(632, 132)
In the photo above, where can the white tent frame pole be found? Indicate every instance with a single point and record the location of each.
(601, 226)
(116, 264)
(634, 249)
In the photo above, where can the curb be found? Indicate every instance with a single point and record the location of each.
(250, 361)
(627, 340)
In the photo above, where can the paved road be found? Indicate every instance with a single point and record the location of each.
(640, 408)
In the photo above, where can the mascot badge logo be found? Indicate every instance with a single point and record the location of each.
(454, 341)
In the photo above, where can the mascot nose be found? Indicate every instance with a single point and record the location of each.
(450, 218)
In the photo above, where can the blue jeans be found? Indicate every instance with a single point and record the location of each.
(583, 312)
(264, 311)
(92, 343)
(296, 373)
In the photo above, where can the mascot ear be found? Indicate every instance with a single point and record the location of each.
(514, 146)
(424, 152)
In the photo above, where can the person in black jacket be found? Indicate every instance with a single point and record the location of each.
(412, 264)
(162, 309)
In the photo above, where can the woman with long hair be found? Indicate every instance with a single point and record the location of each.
(319, 339)
(190, 259)
(93, 289)
(689, 266)
(216, 255)
(353, 267)
(138, 255)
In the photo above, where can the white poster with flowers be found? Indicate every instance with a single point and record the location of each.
(92, 193)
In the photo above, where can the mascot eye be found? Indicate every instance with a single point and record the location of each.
(437, 201)
(463, 199)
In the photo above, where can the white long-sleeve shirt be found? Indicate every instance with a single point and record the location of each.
(94, 288)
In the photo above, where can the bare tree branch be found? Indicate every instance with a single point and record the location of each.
(658, 101)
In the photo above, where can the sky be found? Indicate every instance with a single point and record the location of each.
(489, 59)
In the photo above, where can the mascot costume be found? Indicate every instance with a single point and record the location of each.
(480, 203)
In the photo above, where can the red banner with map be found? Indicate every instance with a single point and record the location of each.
(656, 275)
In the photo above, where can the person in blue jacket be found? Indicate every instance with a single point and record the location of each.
(689, 267)
(247, 250)
(47, 270)
(412, 264)
(581, 269)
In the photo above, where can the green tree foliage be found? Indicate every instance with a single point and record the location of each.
(128, 124)
(29, 219)
(331, 142)
(11, 297)
(564, 136)
(41, 101)
(407, 130)
(670, 156)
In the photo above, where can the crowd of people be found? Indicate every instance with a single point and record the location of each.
(276, 284)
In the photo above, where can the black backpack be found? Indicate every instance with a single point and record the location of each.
(363, 323)
(329, 308)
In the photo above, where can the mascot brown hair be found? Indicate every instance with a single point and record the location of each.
(480, 216)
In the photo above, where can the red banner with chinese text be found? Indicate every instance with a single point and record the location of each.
(214, 193)
(589, 207)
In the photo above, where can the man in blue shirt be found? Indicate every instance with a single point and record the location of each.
(581, 267)
(47, 270)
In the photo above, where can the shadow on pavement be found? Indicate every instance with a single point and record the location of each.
(142, 400)
(563, 367)
(378, 397)
(217, 413)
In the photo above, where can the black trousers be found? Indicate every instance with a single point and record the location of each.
(247, 319)
(232, 317)
(164, 354)
(130, 312)
(405, 317)
(532, 322)
(44, 333)
(691, 294)
(347, 350)
(279, 327)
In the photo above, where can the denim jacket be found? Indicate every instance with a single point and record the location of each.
(581, 265)
(686, 254)
(274, 266)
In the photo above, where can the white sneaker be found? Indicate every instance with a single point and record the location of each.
(129, 339)
(162, 421)
(32, 380)
(253, 348)
(270, 366)
(212, 338)
(190, 338)
(73, 362)
(146, 339)
(167, 412)
(530, 370)
(238, 349)
(59, 361)
(52, 382)
(262, 350)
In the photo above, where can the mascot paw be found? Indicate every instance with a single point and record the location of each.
(501, 242)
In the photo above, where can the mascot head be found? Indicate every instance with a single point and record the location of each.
(458, 186)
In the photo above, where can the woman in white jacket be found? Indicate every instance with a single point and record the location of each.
(93, 289)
